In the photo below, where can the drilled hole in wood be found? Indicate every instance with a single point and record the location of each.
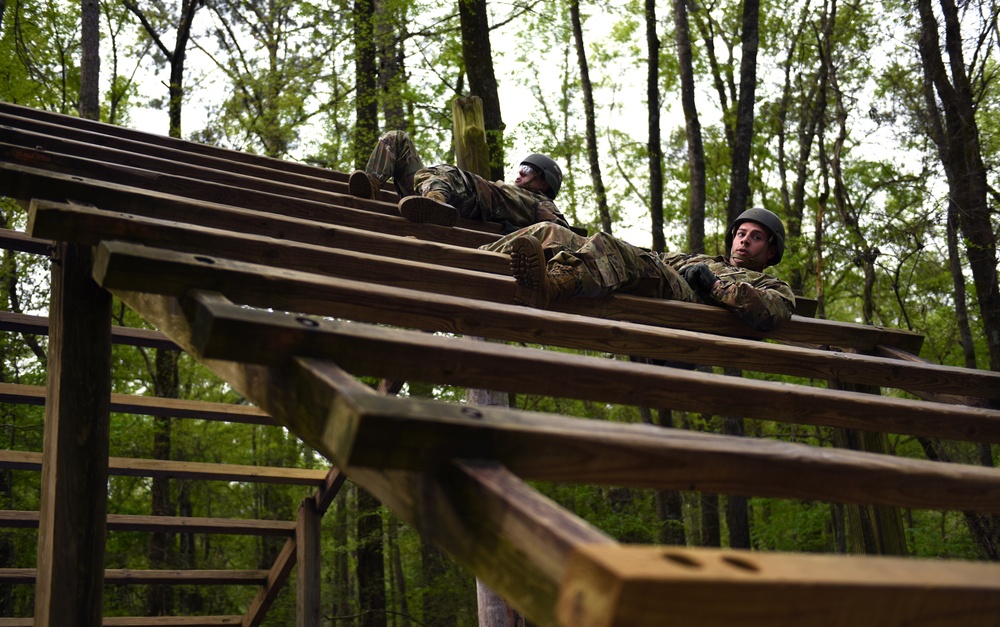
(683, 560)
(741, 563)
(207, 260)
(308, 322)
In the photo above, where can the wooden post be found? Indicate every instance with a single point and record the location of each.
(307, 580)
(69, 589)
(472, 154)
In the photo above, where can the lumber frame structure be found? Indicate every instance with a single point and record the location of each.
(288, 288)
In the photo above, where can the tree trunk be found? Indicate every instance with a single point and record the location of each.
(961, 156)
(692, 126)
(739, 178)
(600, 196)
(90, 59)
(478, 56)
(669, 505)
(365, 94)
(654, 144)
(371, 567)
(391, 62)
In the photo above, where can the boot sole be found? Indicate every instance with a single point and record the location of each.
(425, 210)
(527, 264)
(359, 185)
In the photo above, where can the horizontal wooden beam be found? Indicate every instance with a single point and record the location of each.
(124, 576)
(146, 621)
(122, 266)
(609, 586)
(13, 519)
(149, 405)
(130, 467)
(39, 325)
(22, 242)
(224, 331)
(26, 173)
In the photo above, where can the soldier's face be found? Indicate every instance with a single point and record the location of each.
(530, 178)
(752, 248)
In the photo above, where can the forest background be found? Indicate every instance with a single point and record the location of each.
(870, 128)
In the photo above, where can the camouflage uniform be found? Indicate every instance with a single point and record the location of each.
(602, 264)
(475, 198)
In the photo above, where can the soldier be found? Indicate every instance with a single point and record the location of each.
(552, 263)
(440, 194)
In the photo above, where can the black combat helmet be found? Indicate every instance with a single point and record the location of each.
(550, 170)
(764, 218)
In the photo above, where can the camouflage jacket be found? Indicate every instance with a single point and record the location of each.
(758, 298)
(477, 198)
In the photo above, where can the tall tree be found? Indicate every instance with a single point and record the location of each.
(951, 120)
(654, 143)
(365, 95)
(156, 22)
(739, 180)
(692, 128)
(478, 56)
(593, 155)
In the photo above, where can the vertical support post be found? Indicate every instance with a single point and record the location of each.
(472, 154)
(73, 513)
(307, 579)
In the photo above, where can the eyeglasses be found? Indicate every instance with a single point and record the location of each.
(527, 170)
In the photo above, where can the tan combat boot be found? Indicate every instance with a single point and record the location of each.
(430, 208)
(363, 186)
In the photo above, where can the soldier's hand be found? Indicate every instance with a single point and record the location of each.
(699, 277)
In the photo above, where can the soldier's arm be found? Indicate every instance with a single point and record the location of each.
(763, 306)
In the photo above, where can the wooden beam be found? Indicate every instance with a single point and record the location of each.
(26, 173)
(125, 576)
(21, 242)
(39, 325)
(309, 573)
(12, 519)
(146, 621)
(149, 405)
(73, 511)
(225, 331)
(210, 226)
(130, 467)
(128, 267)
(608, 586)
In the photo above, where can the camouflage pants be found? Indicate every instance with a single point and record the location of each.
(395, 157)
(603, 264)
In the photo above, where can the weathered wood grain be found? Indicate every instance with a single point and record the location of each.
(609, 586)
(13, 519)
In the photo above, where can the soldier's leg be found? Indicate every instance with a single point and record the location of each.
(394, 156)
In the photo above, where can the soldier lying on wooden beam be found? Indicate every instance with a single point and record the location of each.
(441, 194)
(550, 262)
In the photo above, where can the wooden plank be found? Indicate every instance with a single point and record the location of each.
(11, 519)
(122, 266)
(39, 325)
(173, 227)
(224, 331)
(291, 255)
(149, 405)
(130, 467)
(509, 525)
(26, 173)
(73, 509)
(642, 456)
(22, 242)
(145, 621)
(124, 576)
(177, 155)
(608, 586)
(156, 139)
